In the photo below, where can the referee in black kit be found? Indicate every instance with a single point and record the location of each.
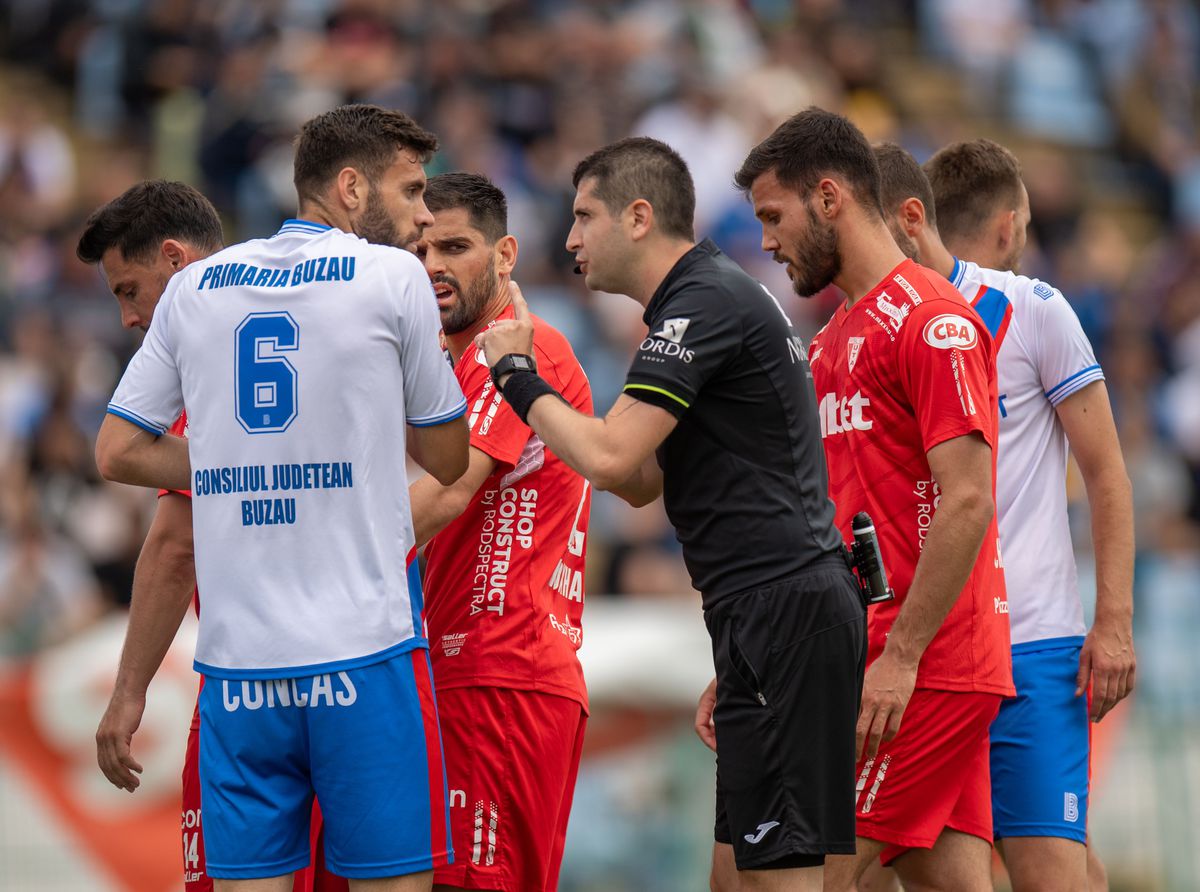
(719, 416)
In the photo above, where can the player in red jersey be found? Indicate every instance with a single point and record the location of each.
(505, 573)
(140, 240)
(905, 373)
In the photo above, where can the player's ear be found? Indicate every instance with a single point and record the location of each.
(640, 215)
(829, 198)
(506, 255)
(912, 216)
(351, 188)
(175, 253)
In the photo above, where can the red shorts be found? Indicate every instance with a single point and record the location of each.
(314, 878)
(933, 775)
(511, 762)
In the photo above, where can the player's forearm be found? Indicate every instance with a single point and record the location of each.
(643, 486)
(163, 583)
(434, 506)
(585, 443)
(950, 552)
(1110, 497)
(126, 453)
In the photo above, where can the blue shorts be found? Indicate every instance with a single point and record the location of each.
(365, 741)
(1041, 746)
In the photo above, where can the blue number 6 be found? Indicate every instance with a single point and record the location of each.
(265, 382)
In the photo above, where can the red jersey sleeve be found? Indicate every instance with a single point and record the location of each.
(178, 429)
(948, 372)
(495, 428)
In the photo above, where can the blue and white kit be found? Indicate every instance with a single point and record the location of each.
(301, 359)
(1042, 358)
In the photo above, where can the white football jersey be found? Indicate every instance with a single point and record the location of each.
(300, 359)
(1042, 357)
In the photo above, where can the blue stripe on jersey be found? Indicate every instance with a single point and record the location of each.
(402, 647)
(305, 226)
(416, 595)
(457, 412)
(1055, 392)
(133, 418)
(991, 306)
(956, 273)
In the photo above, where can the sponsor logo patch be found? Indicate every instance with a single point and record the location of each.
(1045, 292)
(854, 348)
(763, 829)
(948, 331)
(673, 329)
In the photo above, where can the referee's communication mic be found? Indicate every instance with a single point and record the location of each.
(867, 561)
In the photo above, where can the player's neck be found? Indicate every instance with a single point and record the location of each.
(869, 253)
(319, 213)
(657, 263)
(460, 342)
(934, 254)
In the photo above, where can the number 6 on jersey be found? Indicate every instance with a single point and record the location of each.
(264, 381)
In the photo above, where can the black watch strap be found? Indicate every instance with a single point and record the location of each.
(513, 362)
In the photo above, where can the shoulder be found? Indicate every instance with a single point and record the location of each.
(552, 349)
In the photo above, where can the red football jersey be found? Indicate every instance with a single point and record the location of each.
(504, 581)
(910, 366)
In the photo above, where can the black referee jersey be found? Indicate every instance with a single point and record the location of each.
(744, 478)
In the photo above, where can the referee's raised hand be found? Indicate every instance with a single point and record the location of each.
(506, 336)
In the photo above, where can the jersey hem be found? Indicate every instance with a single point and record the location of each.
(1053, 830)
(230, 674)
(1062, 643)
(399, 867)
(1069, 385)
(958, 687)
(258, 871)
(448, 684)
(133, 418)
(431, 420)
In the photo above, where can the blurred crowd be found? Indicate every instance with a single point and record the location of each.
(1099, 99)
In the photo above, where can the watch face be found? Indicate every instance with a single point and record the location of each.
(522, 363)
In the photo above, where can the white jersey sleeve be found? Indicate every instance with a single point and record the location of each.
(1066, 361)
(432, 394)
(1042, 357)
(150, 394)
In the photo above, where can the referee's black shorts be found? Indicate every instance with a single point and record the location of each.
(789, 660)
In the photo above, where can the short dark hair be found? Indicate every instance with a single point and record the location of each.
(813, 144)
(486, 205)
(138, 220)
(971, 181)
(641, 167)
(363, 136)
(901, 178)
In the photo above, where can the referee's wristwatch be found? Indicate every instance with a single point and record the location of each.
(512, 362)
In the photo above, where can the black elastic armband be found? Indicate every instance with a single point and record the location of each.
(522, 388)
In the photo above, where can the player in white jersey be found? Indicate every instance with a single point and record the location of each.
(1051, 392)
(308, 362)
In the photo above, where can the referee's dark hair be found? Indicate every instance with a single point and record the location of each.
(641, 167)
(971, 181)
(485, 204)
(813, 144)
(901, 178)
(138, 220)
(365, 137)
